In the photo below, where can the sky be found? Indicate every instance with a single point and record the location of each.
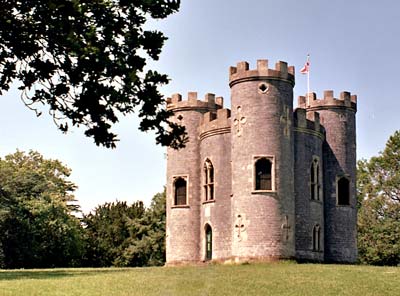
(353, 45)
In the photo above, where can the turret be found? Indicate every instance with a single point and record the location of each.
(183, 173)
(339, 153)
(309, 136)
(215, 148)
(262, 160)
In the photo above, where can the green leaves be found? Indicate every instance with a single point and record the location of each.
(122, 235)
(81, 58)
(378, 188)
(36, 206)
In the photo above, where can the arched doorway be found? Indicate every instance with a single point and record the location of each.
(208, 242)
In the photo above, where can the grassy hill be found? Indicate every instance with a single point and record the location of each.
(285, 278)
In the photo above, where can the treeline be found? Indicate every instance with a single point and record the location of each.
(39, 227)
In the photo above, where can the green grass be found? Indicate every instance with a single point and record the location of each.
(253, 279)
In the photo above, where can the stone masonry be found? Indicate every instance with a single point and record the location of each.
(261, 181)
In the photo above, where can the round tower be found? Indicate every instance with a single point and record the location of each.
(183, 186)
(309, 137)
(262, 161)
(215, 154)
(339, 153)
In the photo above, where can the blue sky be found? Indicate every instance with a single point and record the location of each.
(354, 46)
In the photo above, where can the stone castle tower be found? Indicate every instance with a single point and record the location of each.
(261, 181)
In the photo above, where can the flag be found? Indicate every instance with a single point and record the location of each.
(306, 68)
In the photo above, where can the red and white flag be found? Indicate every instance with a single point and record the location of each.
(306, 68)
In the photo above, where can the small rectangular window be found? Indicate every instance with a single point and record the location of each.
(180, 191)
(343, 191)
(263, 174)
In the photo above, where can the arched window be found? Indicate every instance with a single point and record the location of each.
(343, 191)
(315, 183)
(316, 239)
(180, 191)
(208, 233)
(263, 174)
(208, 180)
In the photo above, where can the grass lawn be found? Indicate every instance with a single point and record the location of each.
(285, 278)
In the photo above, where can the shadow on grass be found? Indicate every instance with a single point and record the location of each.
(8, 275)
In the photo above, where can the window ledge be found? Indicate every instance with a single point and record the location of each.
(265, 192)
(180, 207)
(208, 201)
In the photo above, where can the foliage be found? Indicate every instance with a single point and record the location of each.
(378, 188)
(122, 235)
(36, 206)
(107, 230)
(39, 229)
(146, 244)
(86, 60)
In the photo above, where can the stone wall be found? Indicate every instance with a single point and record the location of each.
(308, 139)
(215, 146)
(262, 110)
(183, 228)
(339, 154)
(263, 224)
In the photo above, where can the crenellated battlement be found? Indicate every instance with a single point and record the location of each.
(209, 103)
(345, 100)
(308, 122)
(215, 123)
(263, 182)
(242, 73)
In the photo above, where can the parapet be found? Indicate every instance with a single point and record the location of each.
(308, 122)
(242, 73)
(215, 123)
(346, 100)
(210, 102)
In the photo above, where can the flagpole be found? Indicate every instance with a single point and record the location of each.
(306, 70)
(308, 80)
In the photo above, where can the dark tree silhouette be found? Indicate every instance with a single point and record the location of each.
(86, 60)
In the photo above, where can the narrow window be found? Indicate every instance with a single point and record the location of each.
(315, 184)
(180, 189)
(208, 180)
(343, 191)
(208, 232)
(263, 174)
(312, 181)
(316, 240)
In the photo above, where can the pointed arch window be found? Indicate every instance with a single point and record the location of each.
(263, 173)
(208, 180)
(315, 180)
(180, 191)
(316, 238)
(343, 191)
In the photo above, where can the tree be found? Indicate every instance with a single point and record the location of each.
(106, 232)
(36, 207)
(86, 60)
(378, 187)
(146, 244)
(122, 235)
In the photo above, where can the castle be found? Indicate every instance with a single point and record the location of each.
(262, 181)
